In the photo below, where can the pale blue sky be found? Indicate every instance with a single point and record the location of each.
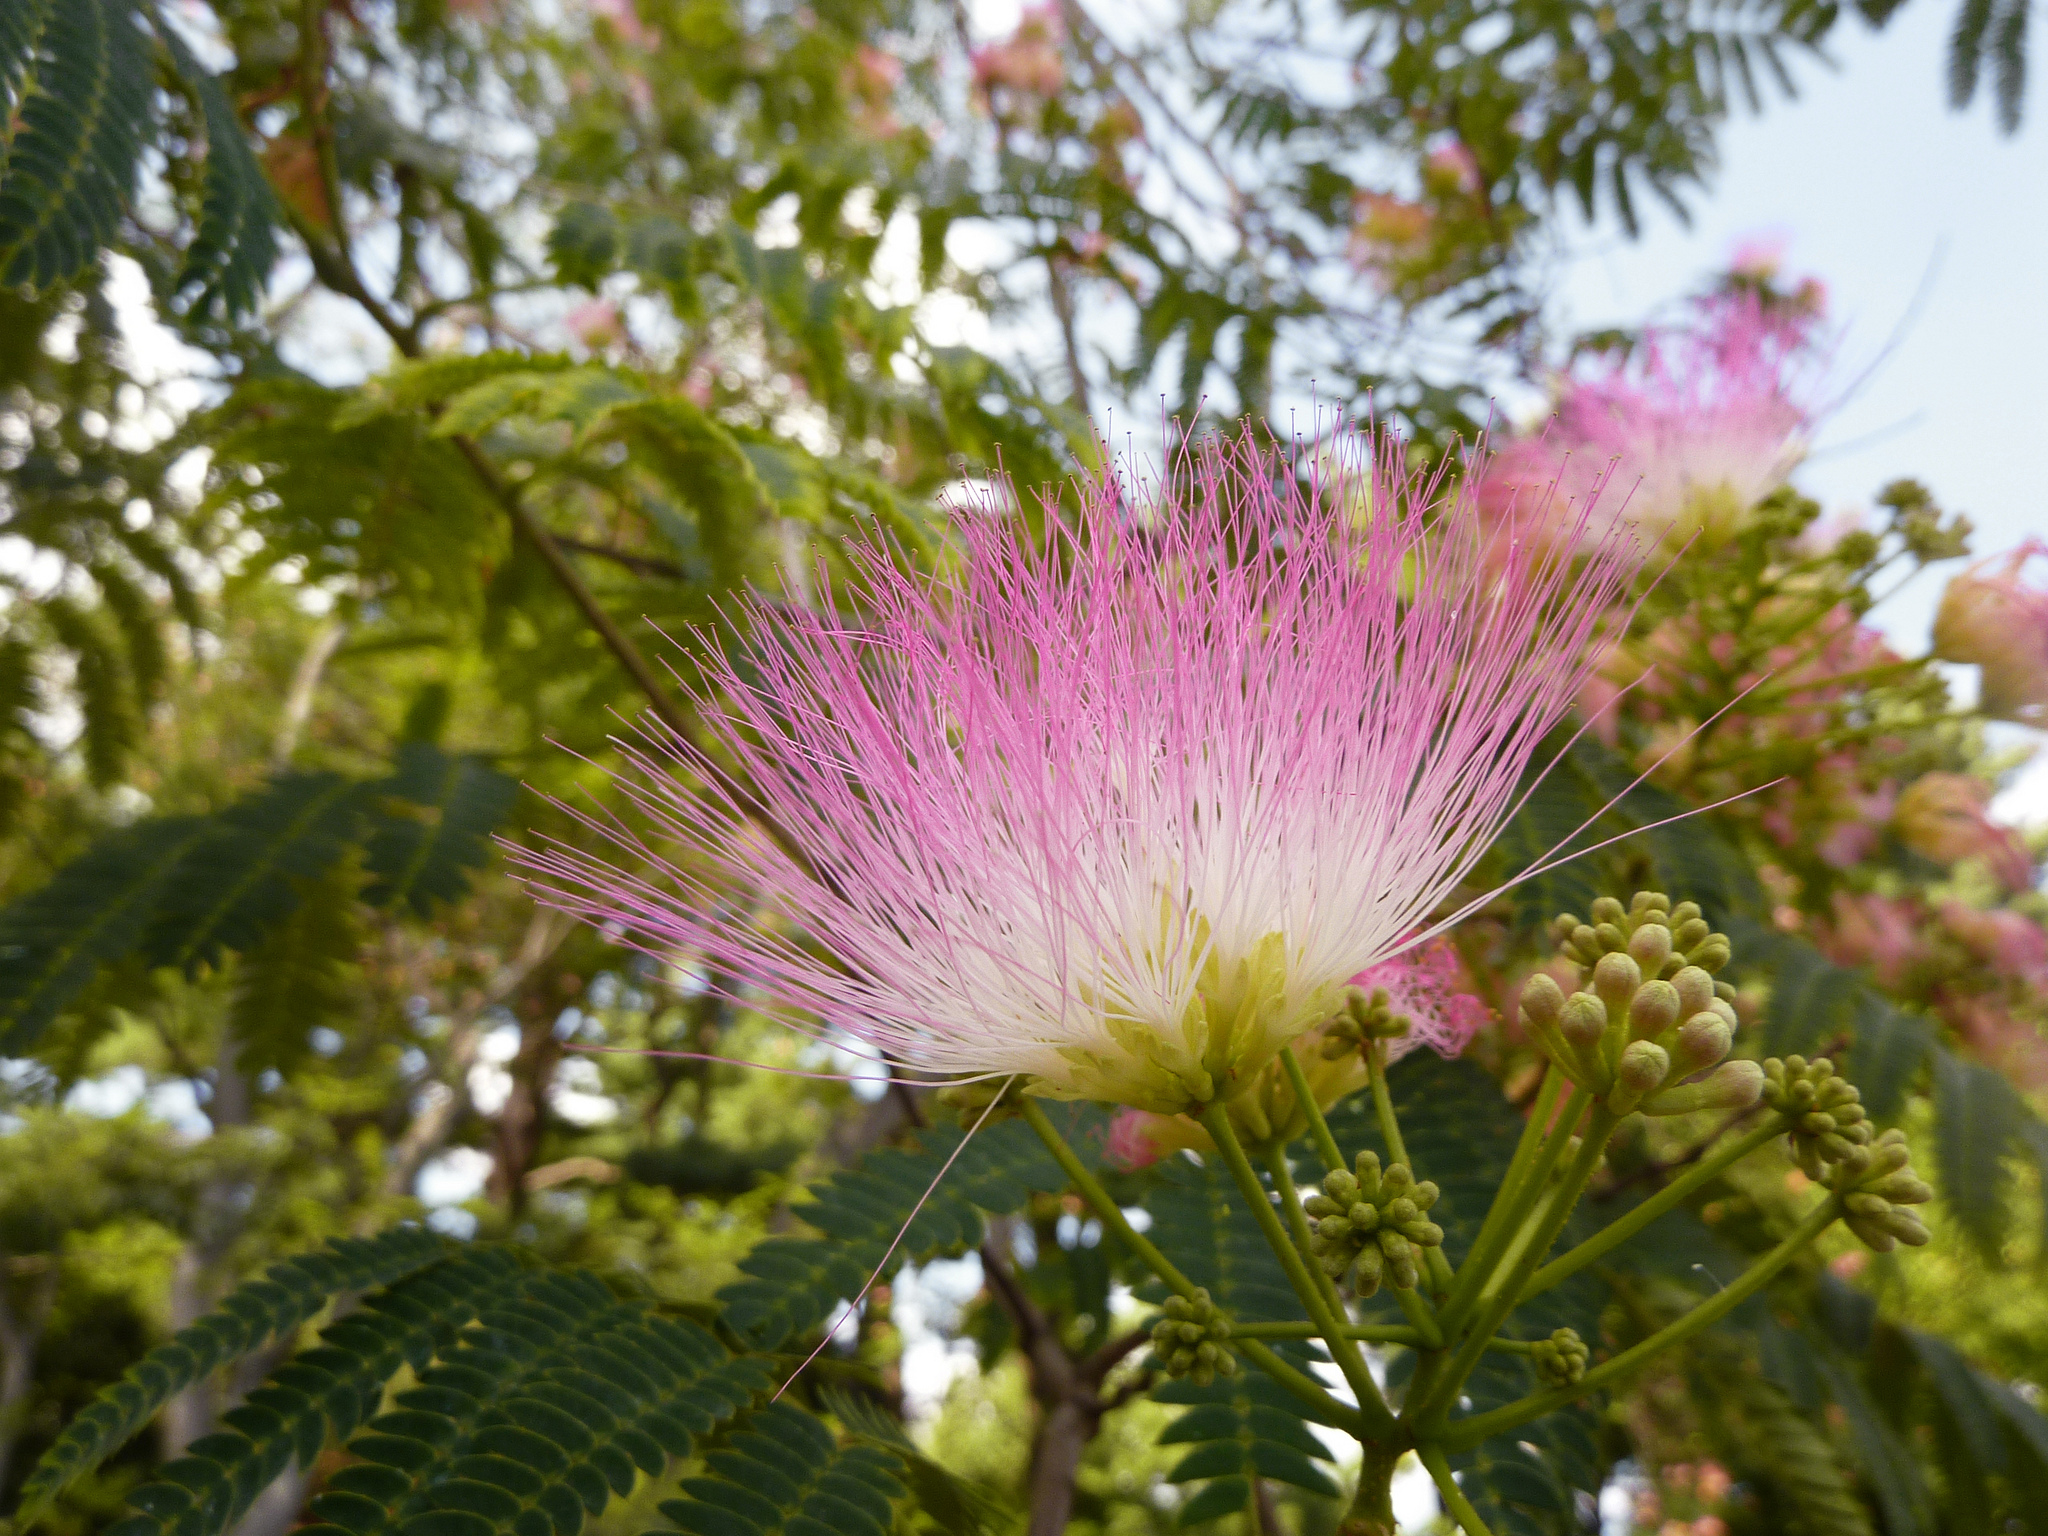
(1879, 189)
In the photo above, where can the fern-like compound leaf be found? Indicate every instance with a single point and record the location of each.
(435, 828)
(792, 1283)
(235, 244)
(54, 941)
(255, 1315)
(783, 1474)
(71, 162)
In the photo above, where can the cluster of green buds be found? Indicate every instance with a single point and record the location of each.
(1650, 1027)
(1876, 1184)
(1560, 1360)
(1826, 1112)
(1364, 1018)
(1192, 1339)
(1375, 1221)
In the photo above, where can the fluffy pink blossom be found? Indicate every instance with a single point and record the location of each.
(1945, 817)
(1423, 985)
(1703, 422)
(596, 323)
(1122, 807)
(1991, 618)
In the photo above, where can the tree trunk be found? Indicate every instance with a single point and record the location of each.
(19, 1337)
(1064, 1429)
(1372, 1509)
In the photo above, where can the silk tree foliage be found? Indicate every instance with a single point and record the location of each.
(736, 173)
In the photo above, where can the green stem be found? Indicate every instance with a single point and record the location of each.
(1433, 1259)
(1454, 1497)
(1566, 1265)
(1294, 1261)
(1295, 1381)
(1517, 1196)
(1366, 1333)
(1318, 1128)
(1467, 1433)
(1497, 1297)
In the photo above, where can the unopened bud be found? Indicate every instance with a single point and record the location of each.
(1615, 980)
(1695, 990)
(1732, 1085)
(1702, 1040)
(1712, 953)
(1583, 1020)
(1653, 1010)
(1640, 1071)
(1560, 1359)
(1542, 999)
(1606, 910)
(1650, 946)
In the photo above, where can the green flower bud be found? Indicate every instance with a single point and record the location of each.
(1542, 999)
(1615, 980)
(1828, 1121)
(1583, 1020)
(1609, 911)
(1560, 1360)
(1370, 1224)
(1695, 990)
(1650, 946)
(1653, 1010)
(1703, 1039)
(1875, 1184)
(1640, 1071)
(1711, 953)
(1732, 1085)
(1189, 1339)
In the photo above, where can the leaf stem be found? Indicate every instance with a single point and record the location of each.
(1293, 1260)
(1525, 1179)
(1673, 1194)
(1318, 1128)
(1454, 1497)
(1367, 1333)
(1295, 1381)
(1467, 1433)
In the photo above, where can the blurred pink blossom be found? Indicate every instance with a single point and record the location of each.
(626, 23)
(1882, 932)
(2014, 1046)
(1943, 817)
(1130, 1144)
(1028, 61)
(1991, 618)
(1452, 167)
(1707, 419)
(596, 323)
(2011, 943)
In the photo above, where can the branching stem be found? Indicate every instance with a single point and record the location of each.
(1454, 1497)
(1673, 1194)
(1295, 1381)
(1311, 1288)
(1466, 1433)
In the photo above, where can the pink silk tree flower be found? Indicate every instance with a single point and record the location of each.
(1420, 986)
(1703, 422)
(1122, 805)
(1945, 817)
(1991, 618)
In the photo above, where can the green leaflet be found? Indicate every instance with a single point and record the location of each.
(259, 1312)
(235, 244)
(71, 162)
(782, 1474)
(794, 1283)
(1243, 1426)
(54, 941)
(1239, 1428)
(446, 808)
(185, 891)
(961, 1508)
(536, 1397)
